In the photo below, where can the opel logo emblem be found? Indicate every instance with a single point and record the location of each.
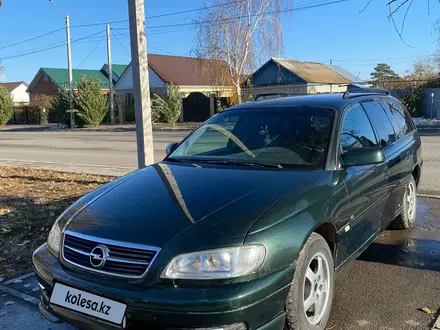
(98, 256)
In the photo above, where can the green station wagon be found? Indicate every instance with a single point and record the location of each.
(244, 224)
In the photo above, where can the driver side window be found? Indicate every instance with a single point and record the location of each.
(356, 130)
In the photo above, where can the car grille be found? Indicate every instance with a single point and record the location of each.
(124, 259)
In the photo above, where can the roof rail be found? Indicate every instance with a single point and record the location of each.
(267, 96)
(347, 93)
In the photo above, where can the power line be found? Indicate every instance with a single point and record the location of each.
(161, 15)
(194, 9)
(292, 9)
(161, 50)
(181, 24)
(47, 48)
(102, 23)
(94, 48)
(119, 41)
(30, 39)
(246, 16)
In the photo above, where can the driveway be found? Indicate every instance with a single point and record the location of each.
(384, 289)
(114, 153)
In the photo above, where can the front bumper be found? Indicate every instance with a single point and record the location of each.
(257, 304)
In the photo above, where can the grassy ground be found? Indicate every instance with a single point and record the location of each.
(30, 201)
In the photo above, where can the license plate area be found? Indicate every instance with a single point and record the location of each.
(88, 303)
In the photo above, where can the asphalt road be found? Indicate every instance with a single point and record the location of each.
(114, 153)
(384, 289)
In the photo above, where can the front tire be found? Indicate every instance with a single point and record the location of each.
(310, 297)
(407, 218)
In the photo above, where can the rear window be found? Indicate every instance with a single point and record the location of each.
(381, 122)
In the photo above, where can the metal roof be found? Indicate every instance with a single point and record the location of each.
(313, 72)
(185, 71)
(60, 77)
(10, 86)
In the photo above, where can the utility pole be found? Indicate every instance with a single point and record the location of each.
(331, 61)
(110, 78)
(69, 64)
(141, 85)
(69, 68)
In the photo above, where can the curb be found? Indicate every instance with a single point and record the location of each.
(20, 295)
(428, 196)
(16, 293)
(19, 278)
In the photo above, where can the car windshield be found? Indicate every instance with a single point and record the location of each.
(284, 137)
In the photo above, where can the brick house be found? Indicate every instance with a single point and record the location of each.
(49, 80)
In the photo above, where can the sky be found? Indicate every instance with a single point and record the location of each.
(355, 41)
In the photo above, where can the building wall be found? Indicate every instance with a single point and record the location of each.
(43, 86)
(19, 94)
(125, 83)
(272, 73)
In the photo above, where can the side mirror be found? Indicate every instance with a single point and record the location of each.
(362, 156)
(171, 147)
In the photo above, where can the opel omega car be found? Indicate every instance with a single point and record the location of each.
(243, 225)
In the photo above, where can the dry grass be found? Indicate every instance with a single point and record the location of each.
(30, 201)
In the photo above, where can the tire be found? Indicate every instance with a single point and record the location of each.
(296, 317)
(407, 218)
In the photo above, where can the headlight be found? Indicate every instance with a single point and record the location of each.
(53, 241)
(216, 264)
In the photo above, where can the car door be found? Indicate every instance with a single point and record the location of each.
(397, 154)
(365, 185)
(400, 156)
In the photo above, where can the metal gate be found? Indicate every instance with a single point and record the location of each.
(196, 107)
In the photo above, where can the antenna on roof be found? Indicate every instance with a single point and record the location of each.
(357, 77)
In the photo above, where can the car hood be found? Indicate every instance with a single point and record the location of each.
(166, 199)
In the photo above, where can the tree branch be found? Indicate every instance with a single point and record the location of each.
(398, 7)
(404, 17)
(395, 26)
(368, 3)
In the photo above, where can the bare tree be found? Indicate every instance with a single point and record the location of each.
(426, 68)
(241, 34)
(395, 7)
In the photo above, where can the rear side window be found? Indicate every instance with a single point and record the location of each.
(356, 129)
(381, 122)
(401, 113)
(394, 122)
(399, 118)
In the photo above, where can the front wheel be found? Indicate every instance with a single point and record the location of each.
(407, 218)
(310, 297)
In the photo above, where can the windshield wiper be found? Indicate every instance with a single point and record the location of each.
(178, 160)
(239, 163)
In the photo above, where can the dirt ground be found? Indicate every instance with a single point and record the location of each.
(30, 201)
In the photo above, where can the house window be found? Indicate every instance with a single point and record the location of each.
(45, 77)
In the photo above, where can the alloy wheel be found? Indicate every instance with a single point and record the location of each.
(316, 288)
(411, 198)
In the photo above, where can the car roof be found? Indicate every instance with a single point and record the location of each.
(335, 101)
